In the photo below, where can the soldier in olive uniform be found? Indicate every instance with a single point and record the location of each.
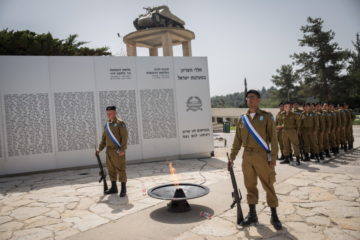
(321, 129)
(308, 129)
(333, 138)
(279, 131)
(339, 126)
(327, 130)
(290, 123)
(297, 110)
(344, 125)
(114, 138)
(350, 134)
(257, 162)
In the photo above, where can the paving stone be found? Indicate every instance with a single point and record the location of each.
(32, 233)
(216, 227)
(24, 213)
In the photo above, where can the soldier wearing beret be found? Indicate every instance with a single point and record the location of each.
(114, 138)
(255, 132)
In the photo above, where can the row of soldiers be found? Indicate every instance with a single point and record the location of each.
(313, 132)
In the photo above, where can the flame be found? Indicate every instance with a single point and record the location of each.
(173, 175)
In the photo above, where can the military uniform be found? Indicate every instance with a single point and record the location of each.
(321, 132)
(333, 135)
(255, 163)
(327, 132)
(279, 132)
(309, 127)
(350, 128)
(115, 163)
(338, 127)
(291, 124)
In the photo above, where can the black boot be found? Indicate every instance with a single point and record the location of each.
(345, 147)
(317, 157)
(123, 189)
(321, 156)
(291, 157)
(275, 219)
(297, 161)
(350, 146)
(334, 151)
(251, 217)
(327, 153)
(282, 157)
(312, 156)
(306, 157)
(286, 160)
(113, 188)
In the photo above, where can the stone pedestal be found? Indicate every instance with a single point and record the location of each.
(154, 38)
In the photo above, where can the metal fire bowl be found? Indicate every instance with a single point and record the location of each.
(178, 204)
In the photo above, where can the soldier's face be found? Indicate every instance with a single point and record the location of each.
(287, 107)
(281, 107)
(111, 114)
(296, 106)
(252, 100)
(325, 107)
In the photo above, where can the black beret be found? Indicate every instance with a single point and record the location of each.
(287, 102)
(254, 92)
(109, 108)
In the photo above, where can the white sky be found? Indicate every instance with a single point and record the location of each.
(240, 38)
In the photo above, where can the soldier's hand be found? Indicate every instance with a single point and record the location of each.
(97, 152)
(121, 154)
(272, 164)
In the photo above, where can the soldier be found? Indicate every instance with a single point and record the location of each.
(339, 126)
(114, 138)
(255, 131)
(322, 126)
(279, 131)
(308, 129)
(344, 125)
(327, 131)
(296, 109)
(315, 146)
(290, 123)
(333, 138)
(350, 136)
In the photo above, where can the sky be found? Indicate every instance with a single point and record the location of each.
(240, 38)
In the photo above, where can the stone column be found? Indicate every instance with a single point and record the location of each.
(186, 46)
(131, 50)
(153, 51)
(167, 44)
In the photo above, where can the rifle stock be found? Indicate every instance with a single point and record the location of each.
(236, 194)
(102, 173)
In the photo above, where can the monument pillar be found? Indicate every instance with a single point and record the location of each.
(159, 37)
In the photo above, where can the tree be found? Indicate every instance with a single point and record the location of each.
(286, 79)
(353, 77)
(31, 43)
(322, 64)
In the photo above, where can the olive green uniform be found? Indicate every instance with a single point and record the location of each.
(327, 130)
(344, 124)
(309, 126)
(291, 124)
(333, 140)
(115, 163)
(279, 132)
(321, 130)
(338, 128)
(255, 163)
(350, 127)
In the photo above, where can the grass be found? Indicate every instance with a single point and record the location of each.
(357, 120)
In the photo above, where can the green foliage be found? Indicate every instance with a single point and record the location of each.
(31, 43)
(236, 100)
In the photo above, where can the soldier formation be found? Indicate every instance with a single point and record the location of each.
(315, 132)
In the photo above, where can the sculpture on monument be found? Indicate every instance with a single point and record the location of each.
(158, 17)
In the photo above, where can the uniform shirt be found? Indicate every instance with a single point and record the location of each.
(298, 112)
(264, 124)
(334, 119)
(118, 128)
(289, 120)
(308, 120)
(344, 118)
(277, 121)
(338, 118)
(322, 121)
(328, 120)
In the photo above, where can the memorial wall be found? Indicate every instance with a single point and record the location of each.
(52, 109)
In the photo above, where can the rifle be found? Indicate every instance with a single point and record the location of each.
(236, 194)
(102, 172)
